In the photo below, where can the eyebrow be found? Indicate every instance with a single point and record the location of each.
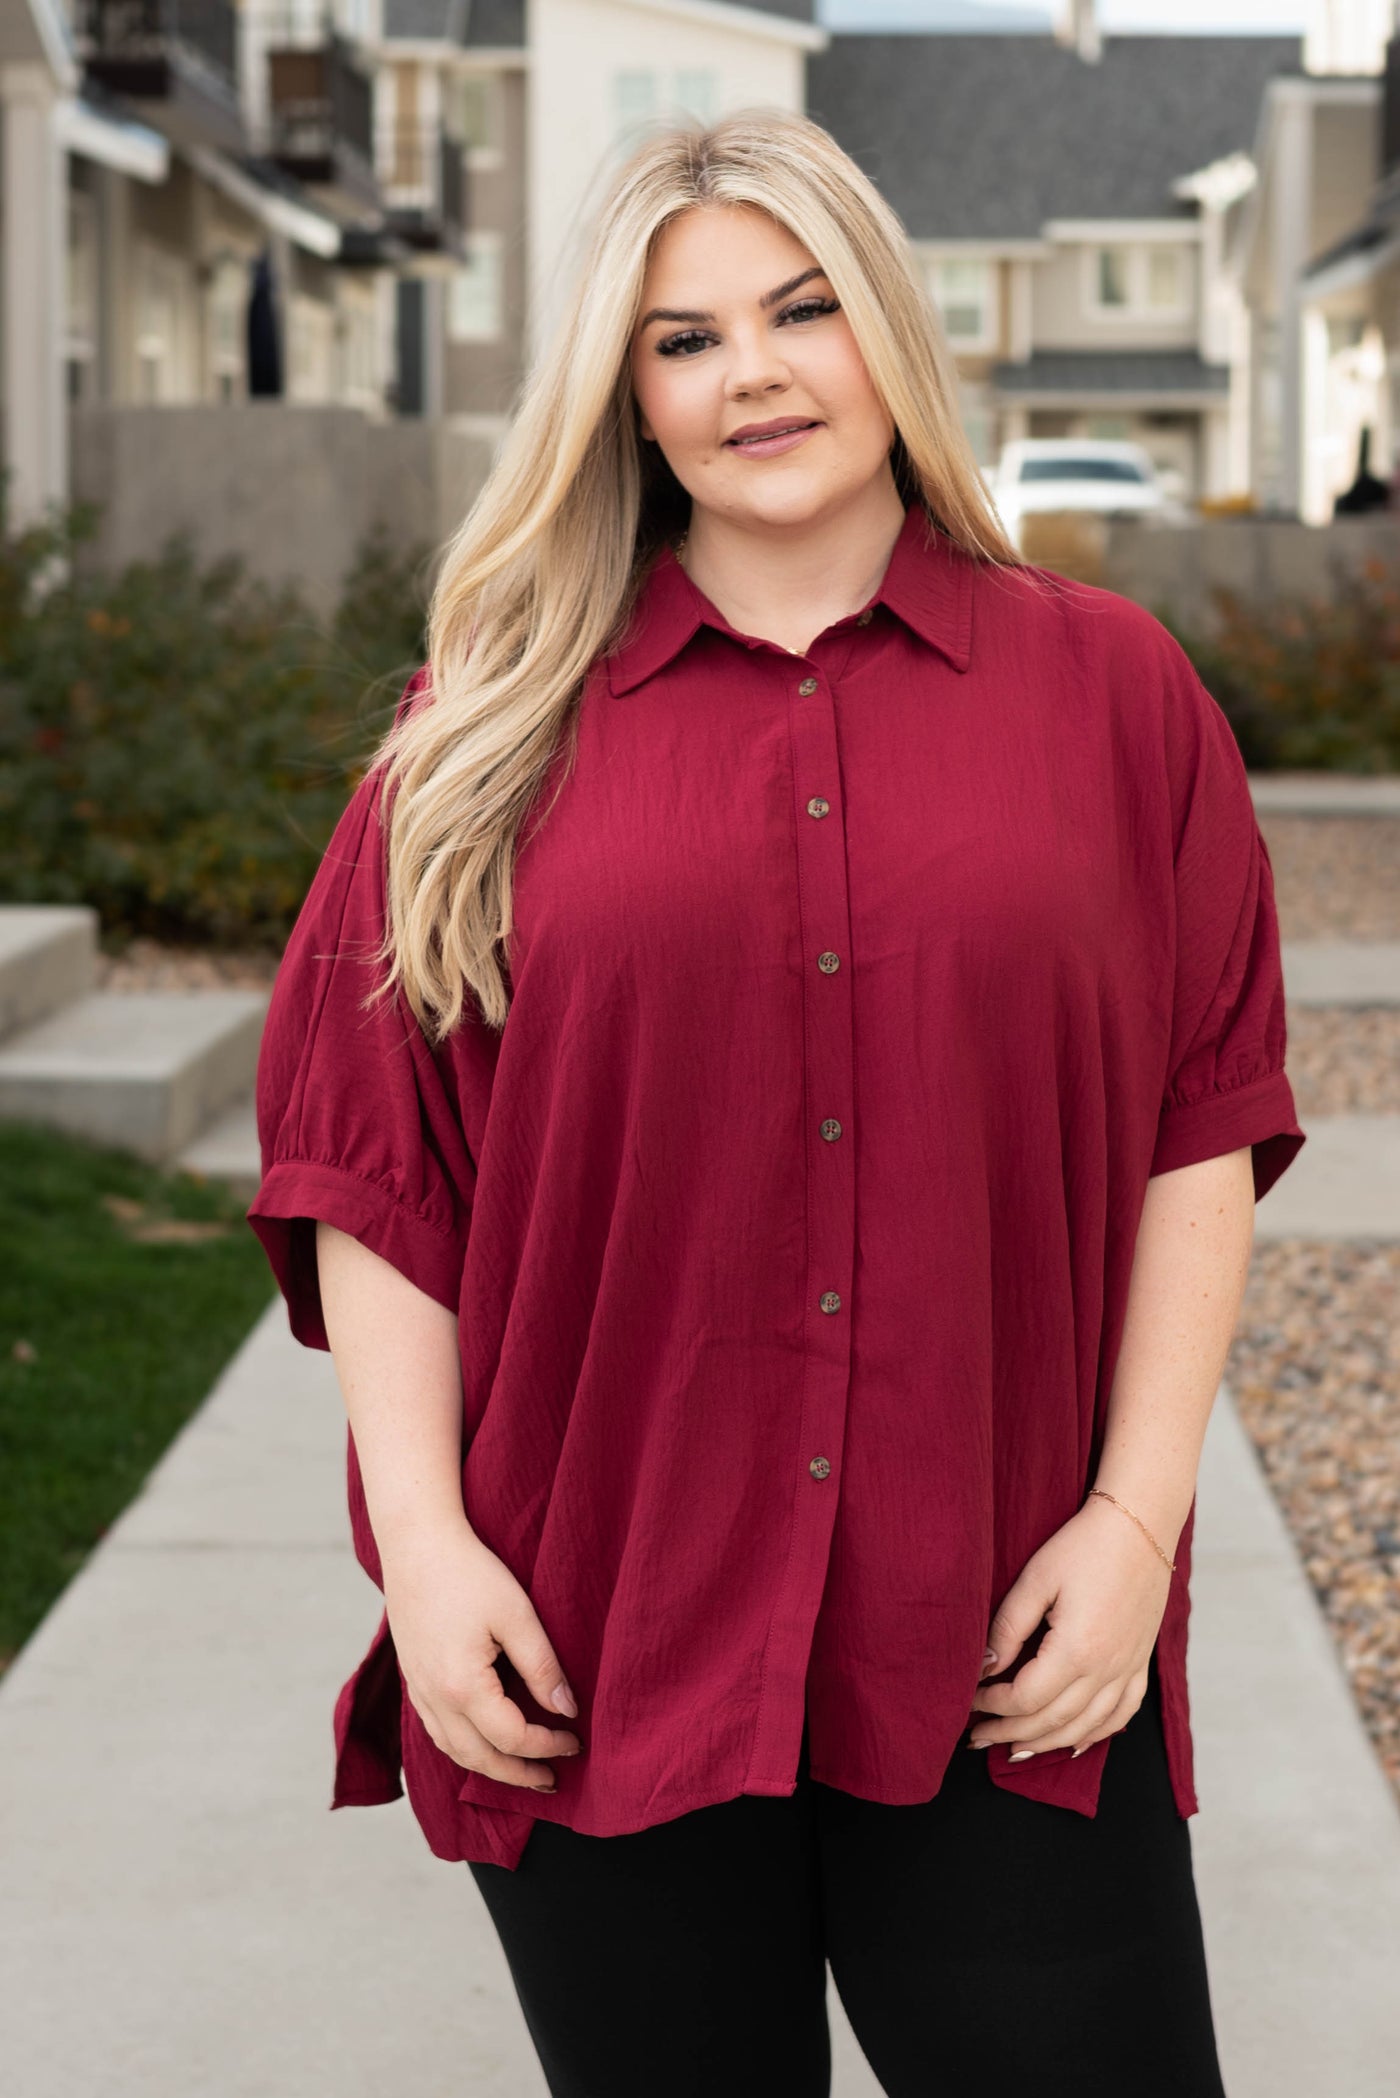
(770, 298)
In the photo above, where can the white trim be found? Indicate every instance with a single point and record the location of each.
(1118, 233)
(448, 57)
(308, 229)
(132, 149)
(1322, 87)
(1348, 272)
(746, 21)
(995, 250)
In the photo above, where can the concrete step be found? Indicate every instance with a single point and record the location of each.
(1341, 972)
(227, 1150)
(147, 1070)
(48, 958)
(1326, 793)
(1344, 1183)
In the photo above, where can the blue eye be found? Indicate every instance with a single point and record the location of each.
(808, 309)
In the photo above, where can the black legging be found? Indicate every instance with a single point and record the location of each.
(979, 1941)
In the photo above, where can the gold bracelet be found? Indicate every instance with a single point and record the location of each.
(1169, 1563)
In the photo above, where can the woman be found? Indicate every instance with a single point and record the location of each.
(777, 1354)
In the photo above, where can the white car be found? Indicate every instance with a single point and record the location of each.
(1108, 477)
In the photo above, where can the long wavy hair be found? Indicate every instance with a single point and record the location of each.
(543, 572)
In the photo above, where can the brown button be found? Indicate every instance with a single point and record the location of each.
(819, 806)
(819, 1467)
(866, 616)
(829, 1300)
(807, 687)
(828, 963)
(831, 1129)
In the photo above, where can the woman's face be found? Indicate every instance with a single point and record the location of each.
(740, 334)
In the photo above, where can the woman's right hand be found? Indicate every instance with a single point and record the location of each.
(453, 1607)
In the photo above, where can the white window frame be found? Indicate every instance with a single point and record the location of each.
(488, 154)
(1137, 308)
(158, 350)
(989, 335)
(487, 246)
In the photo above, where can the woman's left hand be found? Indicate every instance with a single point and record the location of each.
(1104, 1591)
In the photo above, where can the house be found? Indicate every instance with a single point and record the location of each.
(1315, 248)
(1066, 193)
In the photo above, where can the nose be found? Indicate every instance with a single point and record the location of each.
(756, 366)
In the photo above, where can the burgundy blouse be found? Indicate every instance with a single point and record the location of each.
(789, 1220)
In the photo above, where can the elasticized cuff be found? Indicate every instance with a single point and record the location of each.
(1261, 1113)
(296, 1194)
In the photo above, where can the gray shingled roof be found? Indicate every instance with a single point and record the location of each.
(425, 18)
(1112, 371)
(496, 25)
(986, 137)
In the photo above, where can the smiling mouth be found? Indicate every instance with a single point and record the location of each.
(767, 436)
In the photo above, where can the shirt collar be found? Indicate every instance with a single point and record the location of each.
(927, 584)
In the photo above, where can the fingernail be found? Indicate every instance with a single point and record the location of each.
(988, 1658)
(550, 1787)
(564, 1701)
(1021, 1755)
(1078, 1751)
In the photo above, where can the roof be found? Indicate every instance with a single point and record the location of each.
(1112, 371)
(987, 137)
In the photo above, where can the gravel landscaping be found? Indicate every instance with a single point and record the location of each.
(1315, 1373)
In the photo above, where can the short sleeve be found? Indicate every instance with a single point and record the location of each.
(1226, 1085)
(358, 1122)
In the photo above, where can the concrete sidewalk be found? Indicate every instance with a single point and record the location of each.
(181, 1913)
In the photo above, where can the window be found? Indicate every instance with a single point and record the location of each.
(474, 305)
(157, 326)
(227, 311)
(1066, 466)
(313, 359)
(697, 95)
(82, 296)
(634, 102)
(1164, 277)
(479, 112)
(962, 291)
(359, 337)
(1113, 276)
(641, 96)
(1143, 279)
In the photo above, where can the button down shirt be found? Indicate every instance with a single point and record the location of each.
(789, 1220)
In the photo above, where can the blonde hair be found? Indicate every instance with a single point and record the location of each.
(542, 574)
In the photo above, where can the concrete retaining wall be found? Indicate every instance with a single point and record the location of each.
(292, 488)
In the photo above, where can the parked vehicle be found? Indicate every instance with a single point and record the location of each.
(1109, 478)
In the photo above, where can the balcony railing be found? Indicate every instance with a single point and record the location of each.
(319, 104)
(421, 172)
(133, 32)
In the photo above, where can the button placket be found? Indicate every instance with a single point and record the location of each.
(825, 1069)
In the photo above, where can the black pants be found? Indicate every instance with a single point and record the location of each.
(979, 1942)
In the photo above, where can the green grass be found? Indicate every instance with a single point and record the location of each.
(123, 1292)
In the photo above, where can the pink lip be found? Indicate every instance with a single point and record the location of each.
(763, 445)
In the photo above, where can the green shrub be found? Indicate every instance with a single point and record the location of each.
(177, 742)
(1308, 684)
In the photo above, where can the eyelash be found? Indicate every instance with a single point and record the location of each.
(805, 309)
